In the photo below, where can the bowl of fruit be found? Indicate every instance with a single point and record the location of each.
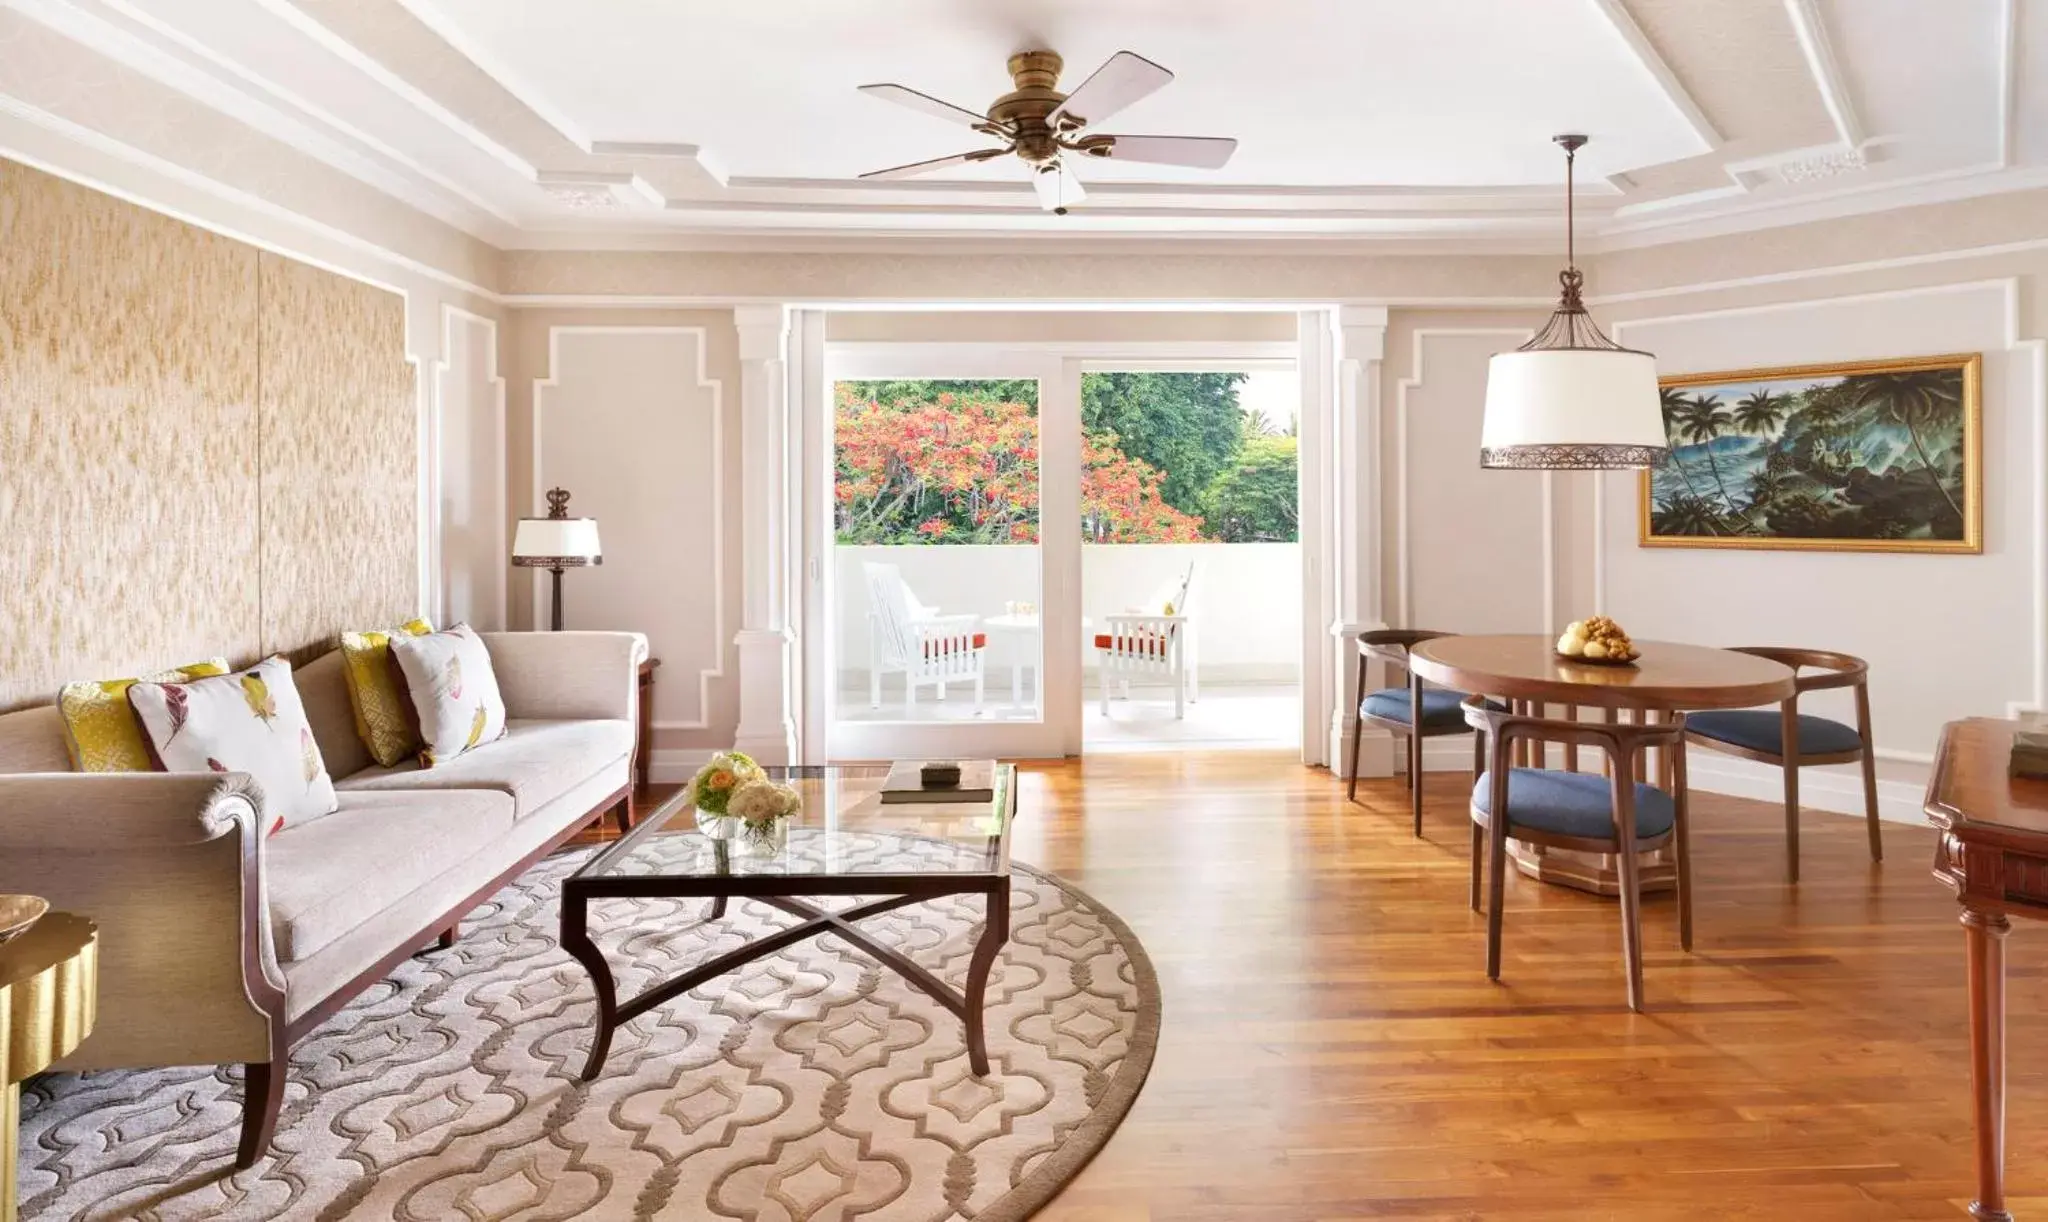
(1598, 641)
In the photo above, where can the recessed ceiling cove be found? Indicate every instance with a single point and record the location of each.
(1317, 94)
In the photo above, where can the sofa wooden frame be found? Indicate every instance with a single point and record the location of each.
(263, 1099)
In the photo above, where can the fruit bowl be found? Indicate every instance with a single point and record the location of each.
(18, 912)
(1598, 641)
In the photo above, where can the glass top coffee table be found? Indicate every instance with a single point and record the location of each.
(847, 842)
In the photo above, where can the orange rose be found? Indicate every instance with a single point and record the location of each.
(720, 780)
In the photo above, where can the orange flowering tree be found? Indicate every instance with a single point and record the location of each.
(959, 468)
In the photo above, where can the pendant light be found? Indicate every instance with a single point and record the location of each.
(1572, 399)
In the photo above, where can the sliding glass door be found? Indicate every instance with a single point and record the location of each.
(933, 552)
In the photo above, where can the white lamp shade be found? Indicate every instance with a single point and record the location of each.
(1572, 407)
(551, 542)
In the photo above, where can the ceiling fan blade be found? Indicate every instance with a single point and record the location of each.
(1201, 152)
(1123, 79)
(938, 163)
(1057, 187)
(930, 105)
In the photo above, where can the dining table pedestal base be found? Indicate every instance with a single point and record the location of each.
(1595, 873)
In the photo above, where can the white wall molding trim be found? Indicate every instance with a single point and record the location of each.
(79, 154)
(1639, 45)
(706, 675)
(2032, 353)
(767, 725)
(1402, 389)
(1347, 587)
(452, 317)
(1815, 45)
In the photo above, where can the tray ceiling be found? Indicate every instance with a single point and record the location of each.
(618, 122)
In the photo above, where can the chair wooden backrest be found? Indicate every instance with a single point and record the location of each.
(1623, 743)
(1830, 669)
(1389, 646)
(889, 605)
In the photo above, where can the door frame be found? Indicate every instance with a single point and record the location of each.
(1058, 366)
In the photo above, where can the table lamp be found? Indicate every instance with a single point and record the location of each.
(554, 543)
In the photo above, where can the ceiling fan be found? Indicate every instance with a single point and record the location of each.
(1041, 125)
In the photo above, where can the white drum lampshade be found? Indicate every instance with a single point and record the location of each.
(1571, 398)
(556, 542)
(1572, 408)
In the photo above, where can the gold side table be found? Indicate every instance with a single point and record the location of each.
(49, 995)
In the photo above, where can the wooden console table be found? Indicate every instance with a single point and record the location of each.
(1994, 853)
(643, 736)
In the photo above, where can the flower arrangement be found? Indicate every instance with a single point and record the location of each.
(711, 790)
(732, 789)
(762, 806)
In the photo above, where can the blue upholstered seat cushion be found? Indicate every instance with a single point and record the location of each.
(1573, 803)
(1764, 730)
(1439, 707)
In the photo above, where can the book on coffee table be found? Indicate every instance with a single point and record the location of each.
(2030, 753)
(906, 783)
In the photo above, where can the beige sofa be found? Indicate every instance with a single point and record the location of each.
(219, 945)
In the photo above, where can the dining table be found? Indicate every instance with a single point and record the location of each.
(1525, 672)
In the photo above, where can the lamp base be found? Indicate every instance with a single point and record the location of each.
(555, 619)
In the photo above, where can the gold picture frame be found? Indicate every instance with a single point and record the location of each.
(1860, 463)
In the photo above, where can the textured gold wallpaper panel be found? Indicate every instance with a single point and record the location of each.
(339, 501)
(127, 439)
(134, 353)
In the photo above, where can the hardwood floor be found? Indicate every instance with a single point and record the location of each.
(1332, 1048)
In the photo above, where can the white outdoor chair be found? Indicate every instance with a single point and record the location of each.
(1151, 647)
(906, 636)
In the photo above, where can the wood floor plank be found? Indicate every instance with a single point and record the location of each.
(1332, 1050)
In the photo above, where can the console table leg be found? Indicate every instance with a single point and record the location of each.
(995, 930)
(1984, 932)
(10, 1146)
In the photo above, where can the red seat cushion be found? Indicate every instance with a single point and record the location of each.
(947, 644)
(1144, 642)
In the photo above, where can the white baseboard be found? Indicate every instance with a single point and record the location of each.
(1898, 801)
(673, 766)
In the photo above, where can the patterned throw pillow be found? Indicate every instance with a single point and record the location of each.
(454, 691)
(250, 722)
(383, 714)
(100, 730)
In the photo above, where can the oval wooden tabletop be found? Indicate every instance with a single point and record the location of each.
(1667, 676)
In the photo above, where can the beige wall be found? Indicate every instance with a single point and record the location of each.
(204, 449)
(638, 417)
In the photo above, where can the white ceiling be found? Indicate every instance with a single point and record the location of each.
(623, 122)
(1319, 94)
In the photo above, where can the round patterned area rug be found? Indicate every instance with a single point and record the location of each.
(811, 1086)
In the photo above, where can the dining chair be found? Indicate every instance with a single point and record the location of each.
(1583, 811)
(1793, 740)
(1412, 712)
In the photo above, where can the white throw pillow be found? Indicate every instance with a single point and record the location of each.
(453, 689)
(249, 722)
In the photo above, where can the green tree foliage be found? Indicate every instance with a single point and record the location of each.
(1255, 500)
(1185, 424)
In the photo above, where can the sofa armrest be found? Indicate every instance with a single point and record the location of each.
(170, 868)
(569, 676)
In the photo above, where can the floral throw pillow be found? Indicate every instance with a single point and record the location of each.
(250, 722)
(383, 714)
(454, 691)
(100, 730)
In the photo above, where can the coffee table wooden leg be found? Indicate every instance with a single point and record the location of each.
(1985, 934)
(995, 930)
(576, 940)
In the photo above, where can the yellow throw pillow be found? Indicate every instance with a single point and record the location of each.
(102, 733)
(383, 718)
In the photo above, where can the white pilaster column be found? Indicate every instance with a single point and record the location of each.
(1355, 566)
(767, 728)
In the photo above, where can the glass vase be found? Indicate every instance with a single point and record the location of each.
(763, 839)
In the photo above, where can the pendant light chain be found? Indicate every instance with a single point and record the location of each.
(1570, 326)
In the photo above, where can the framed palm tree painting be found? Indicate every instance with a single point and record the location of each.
(1876, 456)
